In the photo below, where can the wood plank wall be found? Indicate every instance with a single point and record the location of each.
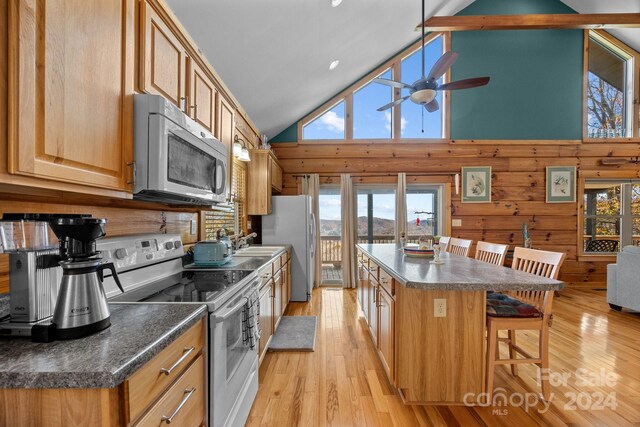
(124, 217)
(518, 185)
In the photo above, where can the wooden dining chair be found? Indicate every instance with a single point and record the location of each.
(492, 253)
(522, 310)
(444, 243)
(459, 246)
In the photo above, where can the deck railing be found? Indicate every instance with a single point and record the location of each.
(331, 246)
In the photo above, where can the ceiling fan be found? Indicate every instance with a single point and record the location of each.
(424, 90)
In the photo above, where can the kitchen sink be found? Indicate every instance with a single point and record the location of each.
(267, 251)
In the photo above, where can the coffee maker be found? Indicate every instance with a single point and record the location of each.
(81, 308)
(59, 290)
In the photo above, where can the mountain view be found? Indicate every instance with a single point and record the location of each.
(381, 227)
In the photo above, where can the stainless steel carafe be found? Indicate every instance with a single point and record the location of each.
(82, 307)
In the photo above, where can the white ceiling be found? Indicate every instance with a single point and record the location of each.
(274, 55)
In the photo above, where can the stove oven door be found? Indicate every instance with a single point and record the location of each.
(233, 364)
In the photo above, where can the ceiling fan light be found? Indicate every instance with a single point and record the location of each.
(424, 96)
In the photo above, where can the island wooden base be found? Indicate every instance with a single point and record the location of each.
(439, 359)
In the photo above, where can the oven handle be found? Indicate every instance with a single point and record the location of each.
(231, 312)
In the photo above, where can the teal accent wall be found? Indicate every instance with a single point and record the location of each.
(290, 134)
(535, 90)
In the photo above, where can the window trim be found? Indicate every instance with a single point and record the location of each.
(347, 95)
(632, 93)
(440, 198)
(583, 178)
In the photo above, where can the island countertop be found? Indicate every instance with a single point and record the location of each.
(456, 273)
(102, 360)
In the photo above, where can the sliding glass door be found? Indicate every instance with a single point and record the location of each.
(376, 213)
(330, 235)
(424, 211)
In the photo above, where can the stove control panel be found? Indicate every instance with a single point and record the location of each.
(128, 252)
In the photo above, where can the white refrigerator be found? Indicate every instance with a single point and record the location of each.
(292, 222)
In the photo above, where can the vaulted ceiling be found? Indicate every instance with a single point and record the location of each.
(274, 55)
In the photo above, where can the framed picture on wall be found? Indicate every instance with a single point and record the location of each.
(561, 184)
(476, 184)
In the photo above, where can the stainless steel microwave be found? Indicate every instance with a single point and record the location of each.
(176, 160)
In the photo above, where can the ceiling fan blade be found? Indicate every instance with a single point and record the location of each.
(391, 83)
(442, 65)
(432, 106)
(392, 104)
(465, 84)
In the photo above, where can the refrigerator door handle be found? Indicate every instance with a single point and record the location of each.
(313, 235)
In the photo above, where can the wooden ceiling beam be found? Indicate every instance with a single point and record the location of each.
(533, 22)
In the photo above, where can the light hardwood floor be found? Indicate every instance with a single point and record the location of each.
(342, 381)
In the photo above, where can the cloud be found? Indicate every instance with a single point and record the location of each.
(329, 202)
(387, 121)
(332, 122)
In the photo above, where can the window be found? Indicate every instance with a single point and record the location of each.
(329, 203)
(367, 121)
(611, 215)
(329, 125)
(353, 114)
(376, 210)
(610, 88)
(411, 115)
(424, 211)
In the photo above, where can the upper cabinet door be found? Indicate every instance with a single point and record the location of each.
(225, 130)
(164, 58)
(70, 90)
(202, 97)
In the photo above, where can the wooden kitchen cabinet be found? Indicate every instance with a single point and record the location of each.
(163, 64)
(266, 318)
(277, 300)
(70, 109)
(202, 97)
(376, 296)
(141, 400)
(386, 331)
(225, 132)
(262, 182)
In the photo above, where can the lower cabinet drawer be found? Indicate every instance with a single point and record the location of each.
(152, 379)
(183, 403)
(387, 282)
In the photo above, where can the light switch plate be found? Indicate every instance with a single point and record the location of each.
(194, 226)
(440, 307)
(456, 223)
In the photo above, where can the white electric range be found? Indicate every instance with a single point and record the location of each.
(150, 268)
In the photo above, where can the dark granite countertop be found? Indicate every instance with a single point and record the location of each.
(456, 273)
(102, 360)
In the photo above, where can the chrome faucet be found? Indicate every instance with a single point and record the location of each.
(241, 241)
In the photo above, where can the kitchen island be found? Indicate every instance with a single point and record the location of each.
(428, 321)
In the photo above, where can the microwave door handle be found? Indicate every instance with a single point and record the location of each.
(219, 189)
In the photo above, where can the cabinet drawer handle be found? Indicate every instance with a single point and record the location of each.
(187, 352)
(189, 393)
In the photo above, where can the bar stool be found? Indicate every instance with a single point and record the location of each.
(522, 310)
(459, 246)
(492, 253)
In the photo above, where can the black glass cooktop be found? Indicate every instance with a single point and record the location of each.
(190, 286)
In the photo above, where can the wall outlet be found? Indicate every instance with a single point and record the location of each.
(194, 226)
(456, 223)
(440, 307)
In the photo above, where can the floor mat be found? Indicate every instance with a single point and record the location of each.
(295, 333)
